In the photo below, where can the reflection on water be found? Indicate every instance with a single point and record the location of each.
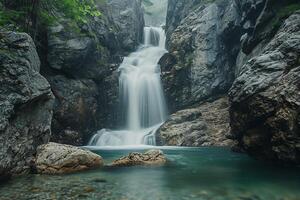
(192, 173)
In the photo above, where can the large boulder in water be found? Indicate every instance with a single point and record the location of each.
(56, 158)
(149, 158)
(26, 103)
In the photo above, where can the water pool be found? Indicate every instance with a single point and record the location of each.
(192, 173)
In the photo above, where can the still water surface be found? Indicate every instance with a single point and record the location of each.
(192, 173)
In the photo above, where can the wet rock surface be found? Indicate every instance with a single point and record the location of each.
(204, 125)
(265, 97)
(25, 103)
(149, 158)
(53, 158)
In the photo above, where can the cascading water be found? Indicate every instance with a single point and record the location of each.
(141, 94)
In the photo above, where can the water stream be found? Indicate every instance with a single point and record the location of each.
(141, 95)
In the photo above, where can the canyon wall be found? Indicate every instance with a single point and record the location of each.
(247, 48)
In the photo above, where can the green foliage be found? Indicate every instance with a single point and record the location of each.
(45, 12)
(283, 13)
(79, 10)
(288, 10)
(10, 17)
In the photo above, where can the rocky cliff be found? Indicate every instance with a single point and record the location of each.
(209, 41)
(265, 98)
(203, 40)
(81, 65)
(214, 44)
(26, 103)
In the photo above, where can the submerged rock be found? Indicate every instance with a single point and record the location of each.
(149, 158)
(53, 158)
(204, 125)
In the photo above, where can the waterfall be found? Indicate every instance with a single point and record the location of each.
(141, 94)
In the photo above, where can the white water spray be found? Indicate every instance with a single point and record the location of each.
(140, 93)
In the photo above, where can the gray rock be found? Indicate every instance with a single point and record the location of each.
(204, 42)
(75, 109)
(204, 125)
(75, 53)
(211, 41)
(129, 19)
(53, 158)
(26, 103)
(265, 97)
(149, 158)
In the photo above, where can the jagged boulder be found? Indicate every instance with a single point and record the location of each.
(53, 158)
(26, 103)
(265, 106)
(149, 158)
(204, 125)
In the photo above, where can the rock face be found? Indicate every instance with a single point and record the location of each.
(149, 158)
(129, 19)
(265, 106)
(53, 158)
(260, 21)
(215, 43)
(76, 108)
(209, 42)
(204, 125)
(25, 103)
(81, 65)
(203, 41)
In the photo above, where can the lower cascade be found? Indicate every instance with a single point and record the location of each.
(141, 95)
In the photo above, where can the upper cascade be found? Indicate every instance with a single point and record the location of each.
(154, 36)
